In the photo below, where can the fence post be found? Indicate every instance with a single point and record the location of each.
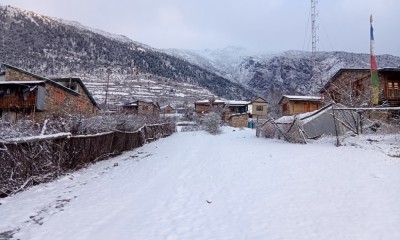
(336, 131)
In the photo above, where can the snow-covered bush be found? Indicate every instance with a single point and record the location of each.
(23, 128)
(211, 123)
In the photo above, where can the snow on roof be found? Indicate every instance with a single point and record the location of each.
(163, 107)
(293, 97)
(285, 120)
(233, 102)
(300, 98)
(208, 101)
(130, 105)
(21, 82)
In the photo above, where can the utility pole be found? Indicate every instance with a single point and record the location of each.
(109, 71)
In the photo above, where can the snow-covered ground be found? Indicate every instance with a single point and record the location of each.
(194, 185)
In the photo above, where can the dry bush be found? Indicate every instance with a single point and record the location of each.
(29, 162)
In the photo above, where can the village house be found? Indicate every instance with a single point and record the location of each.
(258, 108)
(142, 107)
(168, 109)
(352, 87)
(234, 113)
(292, 105)
(27, 95)
(237, 106)
(205, 106)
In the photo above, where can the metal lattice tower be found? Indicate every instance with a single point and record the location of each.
(314, 31)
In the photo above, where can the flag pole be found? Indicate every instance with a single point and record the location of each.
(374, 67)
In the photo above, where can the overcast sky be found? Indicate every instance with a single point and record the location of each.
(258, 25)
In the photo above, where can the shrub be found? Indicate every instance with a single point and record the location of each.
(211, 123)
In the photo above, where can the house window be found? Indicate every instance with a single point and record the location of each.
(259, 108)
(145, 108)
(393, 90)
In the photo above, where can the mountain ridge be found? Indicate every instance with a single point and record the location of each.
(55, 47)
(290, 72)
(50, 47)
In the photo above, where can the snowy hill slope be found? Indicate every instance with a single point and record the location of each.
(54, 47)
(244, 188)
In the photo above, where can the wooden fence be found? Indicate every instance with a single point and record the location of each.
(29, 161)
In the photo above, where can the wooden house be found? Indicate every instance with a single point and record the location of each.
(205, 106)
(142, 107)
(292, 105)
(27, 95)
(258, 108)
(237, 106)
(352, 87)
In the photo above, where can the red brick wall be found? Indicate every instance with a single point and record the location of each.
(60, 102)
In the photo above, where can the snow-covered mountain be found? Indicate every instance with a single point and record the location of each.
(53, 47)
(225, 62)
(273, 74)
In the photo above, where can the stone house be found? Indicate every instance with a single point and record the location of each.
(293, 105)
(142, 107)
(168, 109)
(26, 95)
(352, 87)
(258, 108)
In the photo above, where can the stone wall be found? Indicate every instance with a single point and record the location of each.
(343, 89)
(238, 120)
(13, 75)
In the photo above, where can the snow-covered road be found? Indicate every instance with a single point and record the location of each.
(231, 186)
